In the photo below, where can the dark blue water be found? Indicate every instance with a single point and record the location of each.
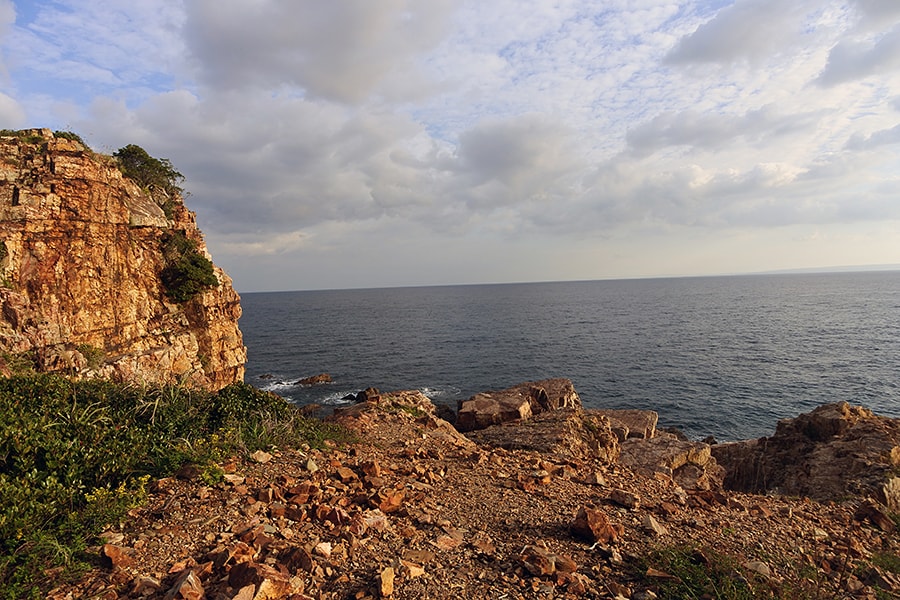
(721, 356)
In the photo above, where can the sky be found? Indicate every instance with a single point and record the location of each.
(353, 143)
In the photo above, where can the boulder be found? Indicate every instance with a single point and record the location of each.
(516, 403)
(835, 451)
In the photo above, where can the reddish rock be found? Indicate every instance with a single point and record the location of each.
(627, 499)
(269, 583)
(690, 464)
(830, 453)
(186, 587)
(630, 423)
(565, 433)
(82, 252)
(593, 526)
(114, 557)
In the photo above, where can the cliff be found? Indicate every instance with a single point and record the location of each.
(81, 253)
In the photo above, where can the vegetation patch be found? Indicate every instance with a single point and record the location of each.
(94, 356)
(76, 456)
(24, 135)
(186, 272)
(156, 175)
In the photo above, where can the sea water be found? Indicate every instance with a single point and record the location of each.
(720, 356)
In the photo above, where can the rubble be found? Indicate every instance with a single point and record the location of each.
(417, 510)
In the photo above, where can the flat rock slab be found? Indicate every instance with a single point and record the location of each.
(566, 433)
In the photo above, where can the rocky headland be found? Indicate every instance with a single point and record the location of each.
(81, 258)
(519, 493)
(560, 503)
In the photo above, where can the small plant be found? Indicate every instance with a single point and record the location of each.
(94, 356)
(146, 171)
(18, 363)
(187, 272)
(25, 135)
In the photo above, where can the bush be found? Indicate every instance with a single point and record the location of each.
(76, 456)
(186, 272)
(146, 171)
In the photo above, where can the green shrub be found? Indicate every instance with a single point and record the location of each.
(76, 456)
(186, 272)
(93, 355)
(148, 172)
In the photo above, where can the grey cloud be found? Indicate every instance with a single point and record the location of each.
(878, 12)
(852, 60)
(884, 137)
(747, 29)
(708, 131)
(527, 158)
(338, 50)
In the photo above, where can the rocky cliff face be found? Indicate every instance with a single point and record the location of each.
(80, 262)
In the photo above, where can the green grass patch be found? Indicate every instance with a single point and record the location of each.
(76, 456)
(701, 573)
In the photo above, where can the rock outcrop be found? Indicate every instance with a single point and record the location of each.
(516, 403)
(80, 263)
(835, 451)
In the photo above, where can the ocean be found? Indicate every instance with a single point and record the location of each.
(714, 356)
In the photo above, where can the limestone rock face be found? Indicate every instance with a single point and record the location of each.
(80, 290)
(835, 451)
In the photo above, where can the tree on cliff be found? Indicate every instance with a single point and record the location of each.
(148, 172)
(187, 272)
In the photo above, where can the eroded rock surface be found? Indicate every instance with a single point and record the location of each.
(833, 452)
(80, 263)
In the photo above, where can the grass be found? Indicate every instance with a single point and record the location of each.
(76, 456)
(704, 572)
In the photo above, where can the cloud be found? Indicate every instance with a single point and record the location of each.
(857, 59)
(334, 50)
(529, 157)
(358, 136)
(884, 137)
(875, 13)
(746, 30)
(12, 116)
(709, 131)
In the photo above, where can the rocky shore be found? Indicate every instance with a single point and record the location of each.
(559, 503)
